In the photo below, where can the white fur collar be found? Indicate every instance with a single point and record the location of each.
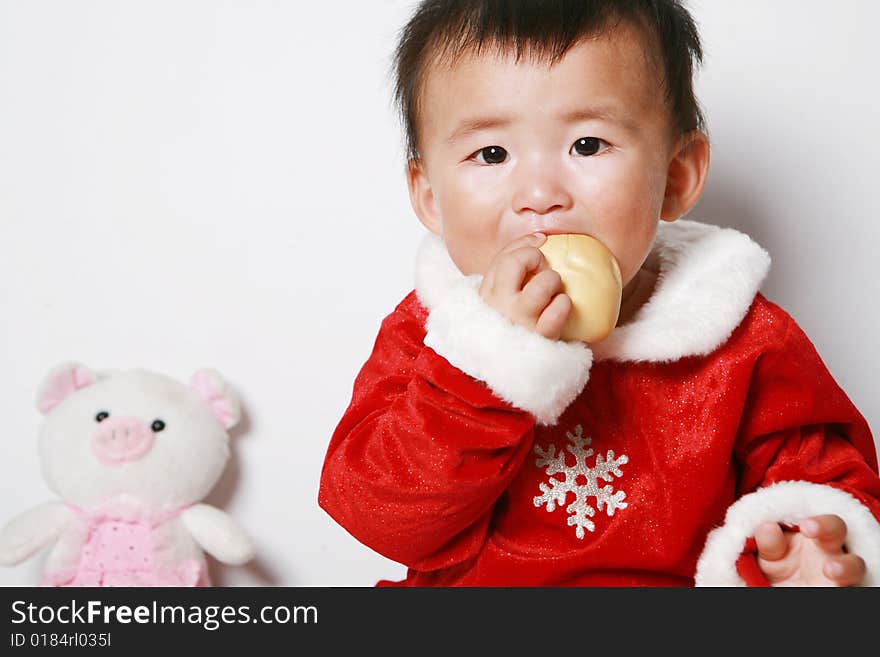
(709, 276)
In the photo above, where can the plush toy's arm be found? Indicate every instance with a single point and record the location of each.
(27, 533)
(218, 534)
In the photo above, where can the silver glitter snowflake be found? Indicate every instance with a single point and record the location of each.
(554, 493)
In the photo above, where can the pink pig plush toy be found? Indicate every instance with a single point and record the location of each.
(130, 455)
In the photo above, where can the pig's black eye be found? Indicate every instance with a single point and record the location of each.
(101, 416)
(157, 425)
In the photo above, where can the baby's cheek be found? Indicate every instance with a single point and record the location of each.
(631, 245)
(471, 254)
(640, 183)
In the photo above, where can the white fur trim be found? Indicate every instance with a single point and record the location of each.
(531, 372)
(708, 278)
(787, 502)
(435, 271)
(525, 369)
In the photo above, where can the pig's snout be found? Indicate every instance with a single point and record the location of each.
(120, 440)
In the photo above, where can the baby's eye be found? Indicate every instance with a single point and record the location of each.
(587, 146)
(490, 155)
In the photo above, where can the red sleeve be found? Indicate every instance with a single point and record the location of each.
(799, 425)
(422, 453)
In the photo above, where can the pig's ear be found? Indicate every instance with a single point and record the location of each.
(218, 395)
(61, 382)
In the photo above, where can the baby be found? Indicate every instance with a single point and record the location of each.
(703, 441)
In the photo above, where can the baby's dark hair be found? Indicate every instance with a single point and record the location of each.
(443, 30)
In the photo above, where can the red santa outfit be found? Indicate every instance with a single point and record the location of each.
(478, 453)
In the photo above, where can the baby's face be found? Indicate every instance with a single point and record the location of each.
(512, 148)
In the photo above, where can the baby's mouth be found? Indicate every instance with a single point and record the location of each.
(557, 231)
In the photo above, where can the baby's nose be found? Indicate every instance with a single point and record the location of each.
(541, 191)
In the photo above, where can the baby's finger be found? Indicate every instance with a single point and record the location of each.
(538, 292)
(771, 541)
(513, 267)
(532, 239)
(845, 570)
(829, 531)
(553, 318)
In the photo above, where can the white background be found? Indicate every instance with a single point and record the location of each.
(203, 183)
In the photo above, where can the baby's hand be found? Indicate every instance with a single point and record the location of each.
(539, 305)
(814, 556)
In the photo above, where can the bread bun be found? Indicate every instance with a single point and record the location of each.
(591, 278)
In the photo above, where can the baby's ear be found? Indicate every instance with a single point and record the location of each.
(686, 176)
(219, 396)
(421, 196)
(61, 382)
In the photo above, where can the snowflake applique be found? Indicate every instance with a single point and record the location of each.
(606, 468)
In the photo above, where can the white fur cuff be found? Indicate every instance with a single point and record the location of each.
(525, 369)
(787, 502)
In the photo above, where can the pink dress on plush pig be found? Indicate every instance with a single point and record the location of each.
(125, 551)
